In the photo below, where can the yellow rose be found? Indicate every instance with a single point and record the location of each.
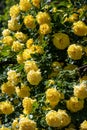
(27, 105)
(13, 76)
(80, 28)
(36, 3)
(21, 36)
(29, 43)
(74, 104)
(37, 49)
(83, 125)
(14, 11)
(74, 52)
(64, 117)
(6, 32)
(24, 5)
(27, 124)
(7, 40)
(17, 46)
(34, 77)
(43, 17)
(22, 92)
(80, 91)
(14, 24)
(4, 128)
(61, 40)
(15, 124)
(53, 96)
(26, 54)
(30, 65)
(53, 119)
(20, 59)
(29, 21)
(8, 88)
(44, 29)
(72, 18)
(6, 107)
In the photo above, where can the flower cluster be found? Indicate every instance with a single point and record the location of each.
(43, 66)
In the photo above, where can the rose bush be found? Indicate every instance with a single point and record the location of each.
(43, 64)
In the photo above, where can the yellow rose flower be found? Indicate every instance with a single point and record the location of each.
(17, 46)
(80, 91)
(29, 43)
(36, 3)
(34, 77)
(44, 29)
(7, 40)
(24, 5)
(14, 25)
(29, 21)
(4, 128)
(37, 49)
(53, 96)
(30, 65)
(53, 119)
(61, 40)
(24, 91)
(74, 52)
(27, 124)
(74, 104)
(27, 105)
(20, 59)
(64, 117)
(80, 28)
(13, 76)
(6, 107)
(43, 17)
(14, 11)
(6, 32)
(83, 125)
(15, 124)
(26, 54)
(8, 88)
(21, 36)
(72, 18)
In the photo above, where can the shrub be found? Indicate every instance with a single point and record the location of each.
(43, 58)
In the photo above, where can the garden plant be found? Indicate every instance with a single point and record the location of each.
(43, 66)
